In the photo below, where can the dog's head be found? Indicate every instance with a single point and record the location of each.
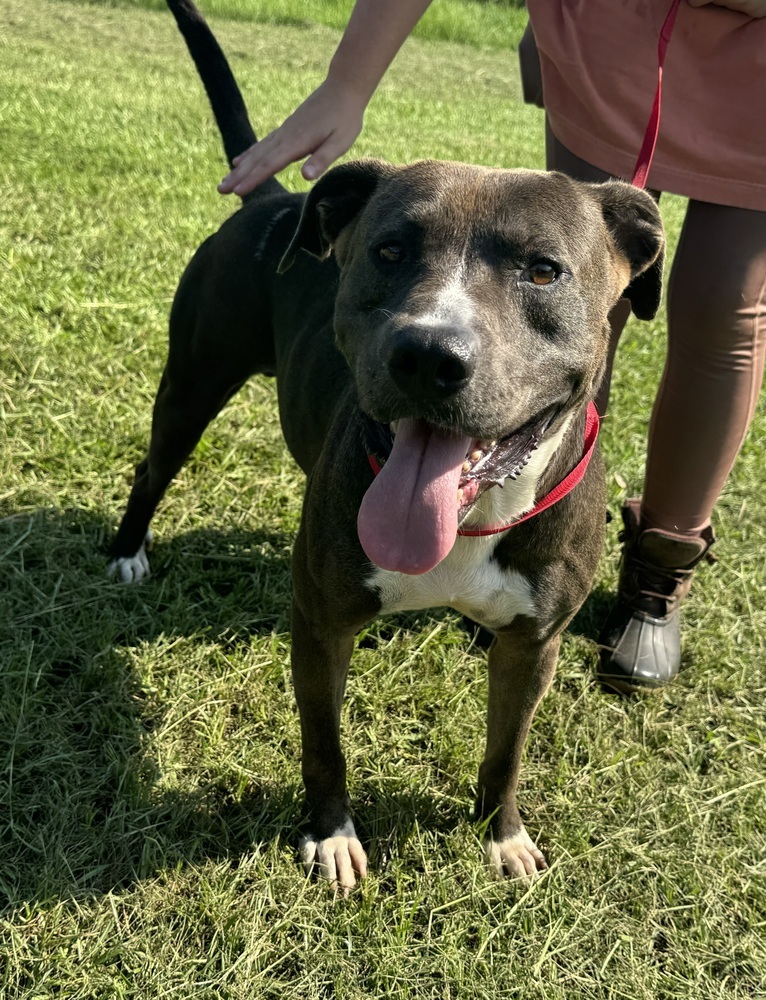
(473, 303)
(466, 293)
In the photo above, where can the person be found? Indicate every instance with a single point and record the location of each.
(598, 64)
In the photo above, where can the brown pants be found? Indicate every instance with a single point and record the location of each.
(715, 355)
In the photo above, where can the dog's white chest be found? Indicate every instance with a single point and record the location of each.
(468, 580)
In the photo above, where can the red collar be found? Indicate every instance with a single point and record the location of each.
(566, 485)
(558, 492)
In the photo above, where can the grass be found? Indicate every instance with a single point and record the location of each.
(484, 23)
(150, 784)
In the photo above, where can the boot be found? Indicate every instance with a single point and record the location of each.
(641, 641)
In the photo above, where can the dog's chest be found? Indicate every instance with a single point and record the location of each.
(468, 580)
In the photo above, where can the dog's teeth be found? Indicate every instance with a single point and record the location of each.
(475, 456)
(466, 466)
(393, 425)
(460, 496)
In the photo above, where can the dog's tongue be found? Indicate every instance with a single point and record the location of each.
(408, 518)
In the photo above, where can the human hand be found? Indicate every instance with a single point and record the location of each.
(753, 8)
(322, 128)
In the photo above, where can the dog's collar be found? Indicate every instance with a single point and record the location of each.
(376, 432)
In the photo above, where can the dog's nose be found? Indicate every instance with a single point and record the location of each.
(432, 364)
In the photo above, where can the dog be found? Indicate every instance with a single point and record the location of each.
(437, 332)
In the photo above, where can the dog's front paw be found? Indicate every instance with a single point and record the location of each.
(131, 569)
(515, 857)
(338, 858)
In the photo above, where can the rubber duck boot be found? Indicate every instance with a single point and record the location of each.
(641, 641)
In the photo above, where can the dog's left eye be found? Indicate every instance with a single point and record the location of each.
(392, 253)
(542, 272)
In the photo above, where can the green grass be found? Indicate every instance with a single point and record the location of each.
(487, 23)
(150, 784)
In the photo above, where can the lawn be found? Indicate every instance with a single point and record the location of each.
(150, 785)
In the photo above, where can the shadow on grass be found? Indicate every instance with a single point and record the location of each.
(80, 803)
(82, 807)
(592, 616)
(386, 819)
(53, 569)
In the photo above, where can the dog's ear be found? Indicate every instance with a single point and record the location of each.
(334, 201)
(634, 221)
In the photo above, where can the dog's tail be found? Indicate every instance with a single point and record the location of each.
(222, 89)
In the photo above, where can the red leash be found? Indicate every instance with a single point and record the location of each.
(646, 153)
(640, 174)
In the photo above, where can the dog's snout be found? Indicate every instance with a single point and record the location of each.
(429, 364)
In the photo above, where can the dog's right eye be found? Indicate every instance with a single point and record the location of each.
(542, 272)
(392, 253)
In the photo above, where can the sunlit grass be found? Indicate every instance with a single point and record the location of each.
(487, 24)
(150, 783)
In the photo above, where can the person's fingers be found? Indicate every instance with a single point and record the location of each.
(322, 129)
(265, 159)
(336, 144)
(255, 163)
(323, 158)
(260, 162)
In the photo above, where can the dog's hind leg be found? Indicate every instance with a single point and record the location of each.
(182, 411)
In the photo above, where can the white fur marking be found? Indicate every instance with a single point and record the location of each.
(453, 303)
(468, 580)
(131, 569)
(336, 858)
(515, 857)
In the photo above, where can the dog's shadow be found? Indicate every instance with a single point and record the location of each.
(85, 793)
(84, 808)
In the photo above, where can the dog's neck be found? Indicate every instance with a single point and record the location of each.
(501, 505)
(546, 478)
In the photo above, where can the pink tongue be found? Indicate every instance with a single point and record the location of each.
(408, 518)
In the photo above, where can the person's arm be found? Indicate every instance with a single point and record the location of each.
(330, 119)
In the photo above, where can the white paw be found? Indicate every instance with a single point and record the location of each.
(131, 569)
(515, 857)
(338, 859)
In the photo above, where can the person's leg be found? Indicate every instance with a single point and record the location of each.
(713, 373)
(714, 366)
(558, 157)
